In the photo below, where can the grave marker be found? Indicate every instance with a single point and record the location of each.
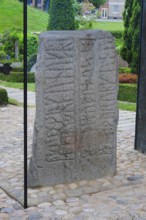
(76, 108)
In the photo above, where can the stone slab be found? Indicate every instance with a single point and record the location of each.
(76, 108)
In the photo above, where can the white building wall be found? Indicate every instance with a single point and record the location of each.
(116, 8)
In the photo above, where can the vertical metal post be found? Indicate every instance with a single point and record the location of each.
(140, 134)
(25, 99)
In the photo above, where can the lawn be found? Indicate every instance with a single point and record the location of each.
(109, 26)
(31, 86)
(11, 16)
(127, 106)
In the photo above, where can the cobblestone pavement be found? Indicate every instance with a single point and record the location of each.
(122, 197)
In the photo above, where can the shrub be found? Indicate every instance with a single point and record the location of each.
(9, 39)
(77, 7)
(5, 69)
(2, 55)
(9, 43)
(127, 92)
(117, 34)
(118, 43)
(17, 69)
(1, 47)
(32, 44)
(17, 77)
(62, 16)
(31, 61)
(128, 78)
(125, 70)
(83, 23)
(3, 97)
(7, 61)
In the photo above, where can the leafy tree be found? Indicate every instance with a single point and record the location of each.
(77, 7)
(135, 30)
(13, 35)
(130, 47)
(61, 15)
(126, 48)
(97, 3)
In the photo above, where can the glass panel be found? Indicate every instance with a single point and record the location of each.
(116, 8)
(102, 12)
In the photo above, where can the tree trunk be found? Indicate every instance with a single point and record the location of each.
(36, 3)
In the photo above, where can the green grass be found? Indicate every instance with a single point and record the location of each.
(127, 106)
(11, 16)
(31, 86)
(14, 102)
(108, 26)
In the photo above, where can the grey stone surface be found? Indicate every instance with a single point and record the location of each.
(76, 108)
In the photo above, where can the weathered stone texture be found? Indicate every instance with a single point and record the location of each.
(76, 108)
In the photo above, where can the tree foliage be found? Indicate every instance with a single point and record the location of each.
(61, 15)
(97, 3)
(130, 48)
(13, 35)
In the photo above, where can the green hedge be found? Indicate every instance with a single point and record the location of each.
(3, 97)
(8, 61)
(127, 92)
(125, 70)
(117, 34)
(17, 69)
(17, 77)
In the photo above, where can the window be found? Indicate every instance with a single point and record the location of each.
(104, 13)
(115, 9)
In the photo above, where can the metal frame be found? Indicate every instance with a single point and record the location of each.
(25, 95)
(25, 99)
(140, 139)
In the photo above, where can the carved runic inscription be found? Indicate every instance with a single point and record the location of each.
(76, 108)
(59, 101)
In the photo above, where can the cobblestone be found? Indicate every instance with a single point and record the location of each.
(120, 197)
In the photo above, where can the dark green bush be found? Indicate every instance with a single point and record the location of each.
(17, 77)
(31, 61)
(127, 92)
(17, 69)
(3, 97)
(62, 16)
(32, 44)
(1, 48)
(2, 55)
(117, 34)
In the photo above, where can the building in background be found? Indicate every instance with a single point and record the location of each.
(112, 9)
(41, 4)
